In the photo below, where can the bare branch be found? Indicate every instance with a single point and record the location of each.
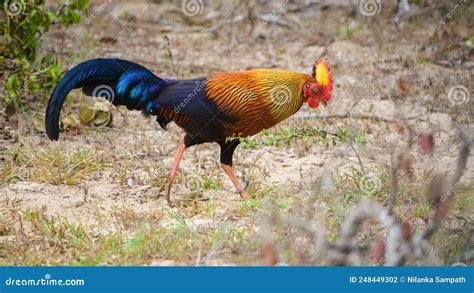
(443, 204)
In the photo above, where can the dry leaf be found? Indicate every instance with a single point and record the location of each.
(97, 114)
(405, 164)
(269, 254)
(437, 189)
(426, 142)
(377, 251)
(403, 87)
(406, 231)
(86, 114)
(69, 121)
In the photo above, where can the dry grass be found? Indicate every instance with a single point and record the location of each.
(52, 165)
(93, 198)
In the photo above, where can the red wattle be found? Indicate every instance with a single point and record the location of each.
(313, 103)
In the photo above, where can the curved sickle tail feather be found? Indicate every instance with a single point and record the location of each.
(119, 81)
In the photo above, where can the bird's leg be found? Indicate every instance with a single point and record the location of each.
(227, 151)
(228, 170)
(174, 168)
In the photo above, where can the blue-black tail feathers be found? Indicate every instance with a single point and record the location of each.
(119, 81)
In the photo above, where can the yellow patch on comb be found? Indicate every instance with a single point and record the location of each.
(323, 73)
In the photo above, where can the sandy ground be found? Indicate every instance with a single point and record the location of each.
(387, 79)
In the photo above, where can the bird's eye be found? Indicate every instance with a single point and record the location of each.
(316, 90)
(307, 85)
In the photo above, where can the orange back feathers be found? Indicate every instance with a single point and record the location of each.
(259, 98)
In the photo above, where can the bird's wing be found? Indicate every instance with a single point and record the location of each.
(189, 97)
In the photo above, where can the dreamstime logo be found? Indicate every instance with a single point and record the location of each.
(275, 12)
(47, 280)
(105, 92)
(23, 87)
(453, 11)
(199, 88)
(13, 7)
(97, 11)
(370, 183)
(192, 7)
(366, 102)
(370, 7)
(458, 95)
(280, 95)
(361, 106)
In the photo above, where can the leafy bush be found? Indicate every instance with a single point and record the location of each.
(25, 72)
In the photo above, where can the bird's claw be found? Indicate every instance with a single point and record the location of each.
(244, 195)
(243, 186)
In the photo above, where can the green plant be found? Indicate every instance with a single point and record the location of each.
(348, 31)
(25, 72)
(285, 136)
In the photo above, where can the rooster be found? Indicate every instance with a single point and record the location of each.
(208, 109)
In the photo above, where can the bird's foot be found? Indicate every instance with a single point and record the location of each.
(238, 184)
(243, 185)
(244, 195)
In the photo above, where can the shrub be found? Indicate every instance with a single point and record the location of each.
(26, 74)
